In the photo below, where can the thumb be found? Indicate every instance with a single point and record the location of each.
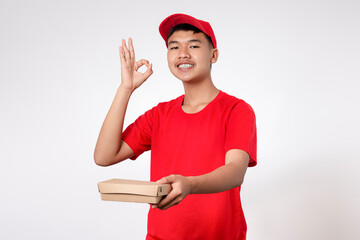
(167, 180)
(162, 181)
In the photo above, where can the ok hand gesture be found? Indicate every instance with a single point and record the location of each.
(130, 77)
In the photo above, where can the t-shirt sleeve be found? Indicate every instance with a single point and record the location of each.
(138, 134)
(241, 131)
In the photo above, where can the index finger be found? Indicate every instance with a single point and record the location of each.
(171, 199)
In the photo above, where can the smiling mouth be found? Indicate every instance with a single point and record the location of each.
(185, 65)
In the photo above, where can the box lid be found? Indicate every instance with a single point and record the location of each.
(134, 187)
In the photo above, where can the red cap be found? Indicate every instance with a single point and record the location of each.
(171, 21)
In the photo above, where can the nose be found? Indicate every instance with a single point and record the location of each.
(184, 53)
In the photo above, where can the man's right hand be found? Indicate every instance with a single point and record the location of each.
(130, 77)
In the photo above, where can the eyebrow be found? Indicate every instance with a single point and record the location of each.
(191, 40)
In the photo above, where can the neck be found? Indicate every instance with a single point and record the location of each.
(199, 93)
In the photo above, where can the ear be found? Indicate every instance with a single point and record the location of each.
(214, 55)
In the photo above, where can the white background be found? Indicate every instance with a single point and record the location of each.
(295, 62)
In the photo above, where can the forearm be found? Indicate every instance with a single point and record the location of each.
(109, 140)
(221, 179)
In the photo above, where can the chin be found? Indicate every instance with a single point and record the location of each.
(188, 80)
(184, 77)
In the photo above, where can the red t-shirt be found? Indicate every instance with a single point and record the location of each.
(191, 145)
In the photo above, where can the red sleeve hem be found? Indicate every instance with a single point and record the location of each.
(136, 154)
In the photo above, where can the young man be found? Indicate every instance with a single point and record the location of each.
(201, 142)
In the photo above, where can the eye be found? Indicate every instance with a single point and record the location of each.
(172, 48)
(194, 46)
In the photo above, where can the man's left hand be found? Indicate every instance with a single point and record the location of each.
(181, 187)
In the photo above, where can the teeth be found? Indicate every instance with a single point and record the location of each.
(185, 65)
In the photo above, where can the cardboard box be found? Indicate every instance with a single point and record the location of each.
(125, 190)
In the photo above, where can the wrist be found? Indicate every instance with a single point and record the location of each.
(125, 90)
(193, 185)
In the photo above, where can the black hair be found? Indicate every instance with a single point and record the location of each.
(187, 27)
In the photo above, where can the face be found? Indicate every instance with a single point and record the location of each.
(190, 56)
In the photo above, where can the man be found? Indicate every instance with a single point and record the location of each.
(201, 142)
